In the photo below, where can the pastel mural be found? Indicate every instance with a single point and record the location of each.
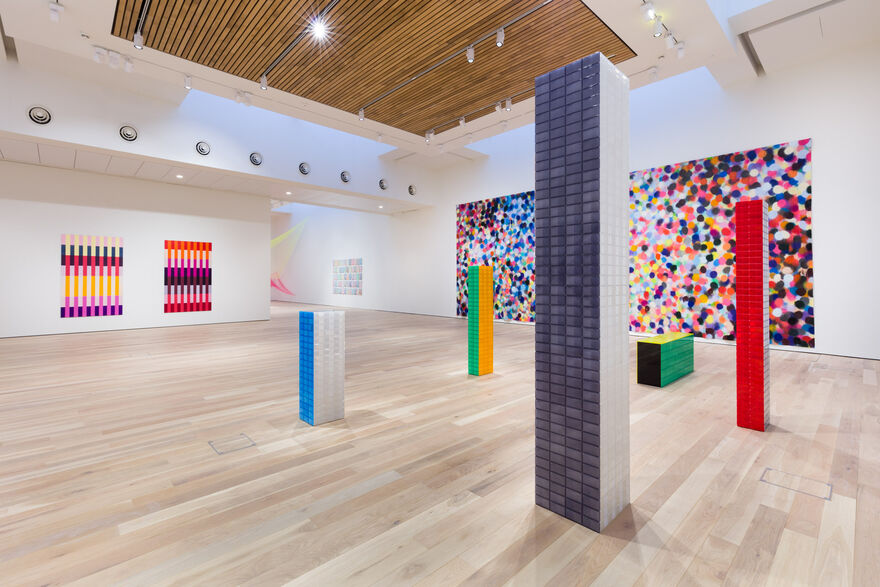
(683, 242)
(283, 246)
(499, 232)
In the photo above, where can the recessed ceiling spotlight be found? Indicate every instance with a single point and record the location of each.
(128, 133)
(411, 189)
(264, 83)
(508, 104)
(138, 40)
(203, 148)
(658, 26)
(462, 121)
(470, 54)
(383, 184)
(55, 11)
(499, 37)
(361, 114)
(680, 48)
(39, 115)
(304, 168)
(380, 207)
(318, 28)
(187, 82)
(289, 193)
(345, 176)
(178, 176)
(255, 158)
(127, 65)
(648, 11)
(670, 40)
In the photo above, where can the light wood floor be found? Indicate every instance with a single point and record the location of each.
(107, 477)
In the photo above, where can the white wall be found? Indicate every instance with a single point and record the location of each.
(834, 102)
(402, 258)
(409, 259)
(39, 204)
(682, 118)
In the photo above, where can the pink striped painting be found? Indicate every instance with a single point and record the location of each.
(91, 276)
(187, 276)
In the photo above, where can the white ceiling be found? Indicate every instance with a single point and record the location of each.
(829, 29)
(780, 36)
(23, 150)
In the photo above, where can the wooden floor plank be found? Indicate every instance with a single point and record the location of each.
(107, 475)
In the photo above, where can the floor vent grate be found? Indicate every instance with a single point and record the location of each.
(231, 444)
(797, 483)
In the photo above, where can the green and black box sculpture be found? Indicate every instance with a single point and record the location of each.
(665, 358)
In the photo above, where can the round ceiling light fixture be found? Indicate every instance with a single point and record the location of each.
(345, 176)
(383, 184)
(256, 158)
(40, 115)
(128, 133)
(203, 148)
(305, 168)
(412, 190)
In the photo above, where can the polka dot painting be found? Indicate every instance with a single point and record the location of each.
(499, 232)
(683, 243)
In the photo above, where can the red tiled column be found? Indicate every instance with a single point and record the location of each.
(752, 316)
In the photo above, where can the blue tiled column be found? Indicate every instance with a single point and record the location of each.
(582, 272)
(321, 366)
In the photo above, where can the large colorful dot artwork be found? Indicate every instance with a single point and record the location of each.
(683, 242)
(499, 232)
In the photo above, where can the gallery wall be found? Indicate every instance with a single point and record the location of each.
(689, 117)
(401, 258)
(39, 204)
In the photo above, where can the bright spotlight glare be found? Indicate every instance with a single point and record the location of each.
(319, 29)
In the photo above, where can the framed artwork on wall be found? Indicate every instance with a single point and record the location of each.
(348, 277)
(91, 276)
(188, 276)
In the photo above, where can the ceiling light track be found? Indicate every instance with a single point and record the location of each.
(504, 105)
(320, 17)
(139, 29)
(467, 51)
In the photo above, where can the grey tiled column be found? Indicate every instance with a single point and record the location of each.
(582, 273)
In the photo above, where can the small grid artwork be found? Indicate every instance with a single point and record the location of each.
(91, 276)
(752, 315)
(480, 316)
(188, 276)
(348, 277)
(321, 366)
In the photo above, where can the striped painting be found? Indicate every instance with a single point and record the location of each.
(187, 276)
(91, 276)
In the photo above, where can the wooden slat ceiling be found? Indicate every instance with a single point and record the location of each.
(375, 45)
